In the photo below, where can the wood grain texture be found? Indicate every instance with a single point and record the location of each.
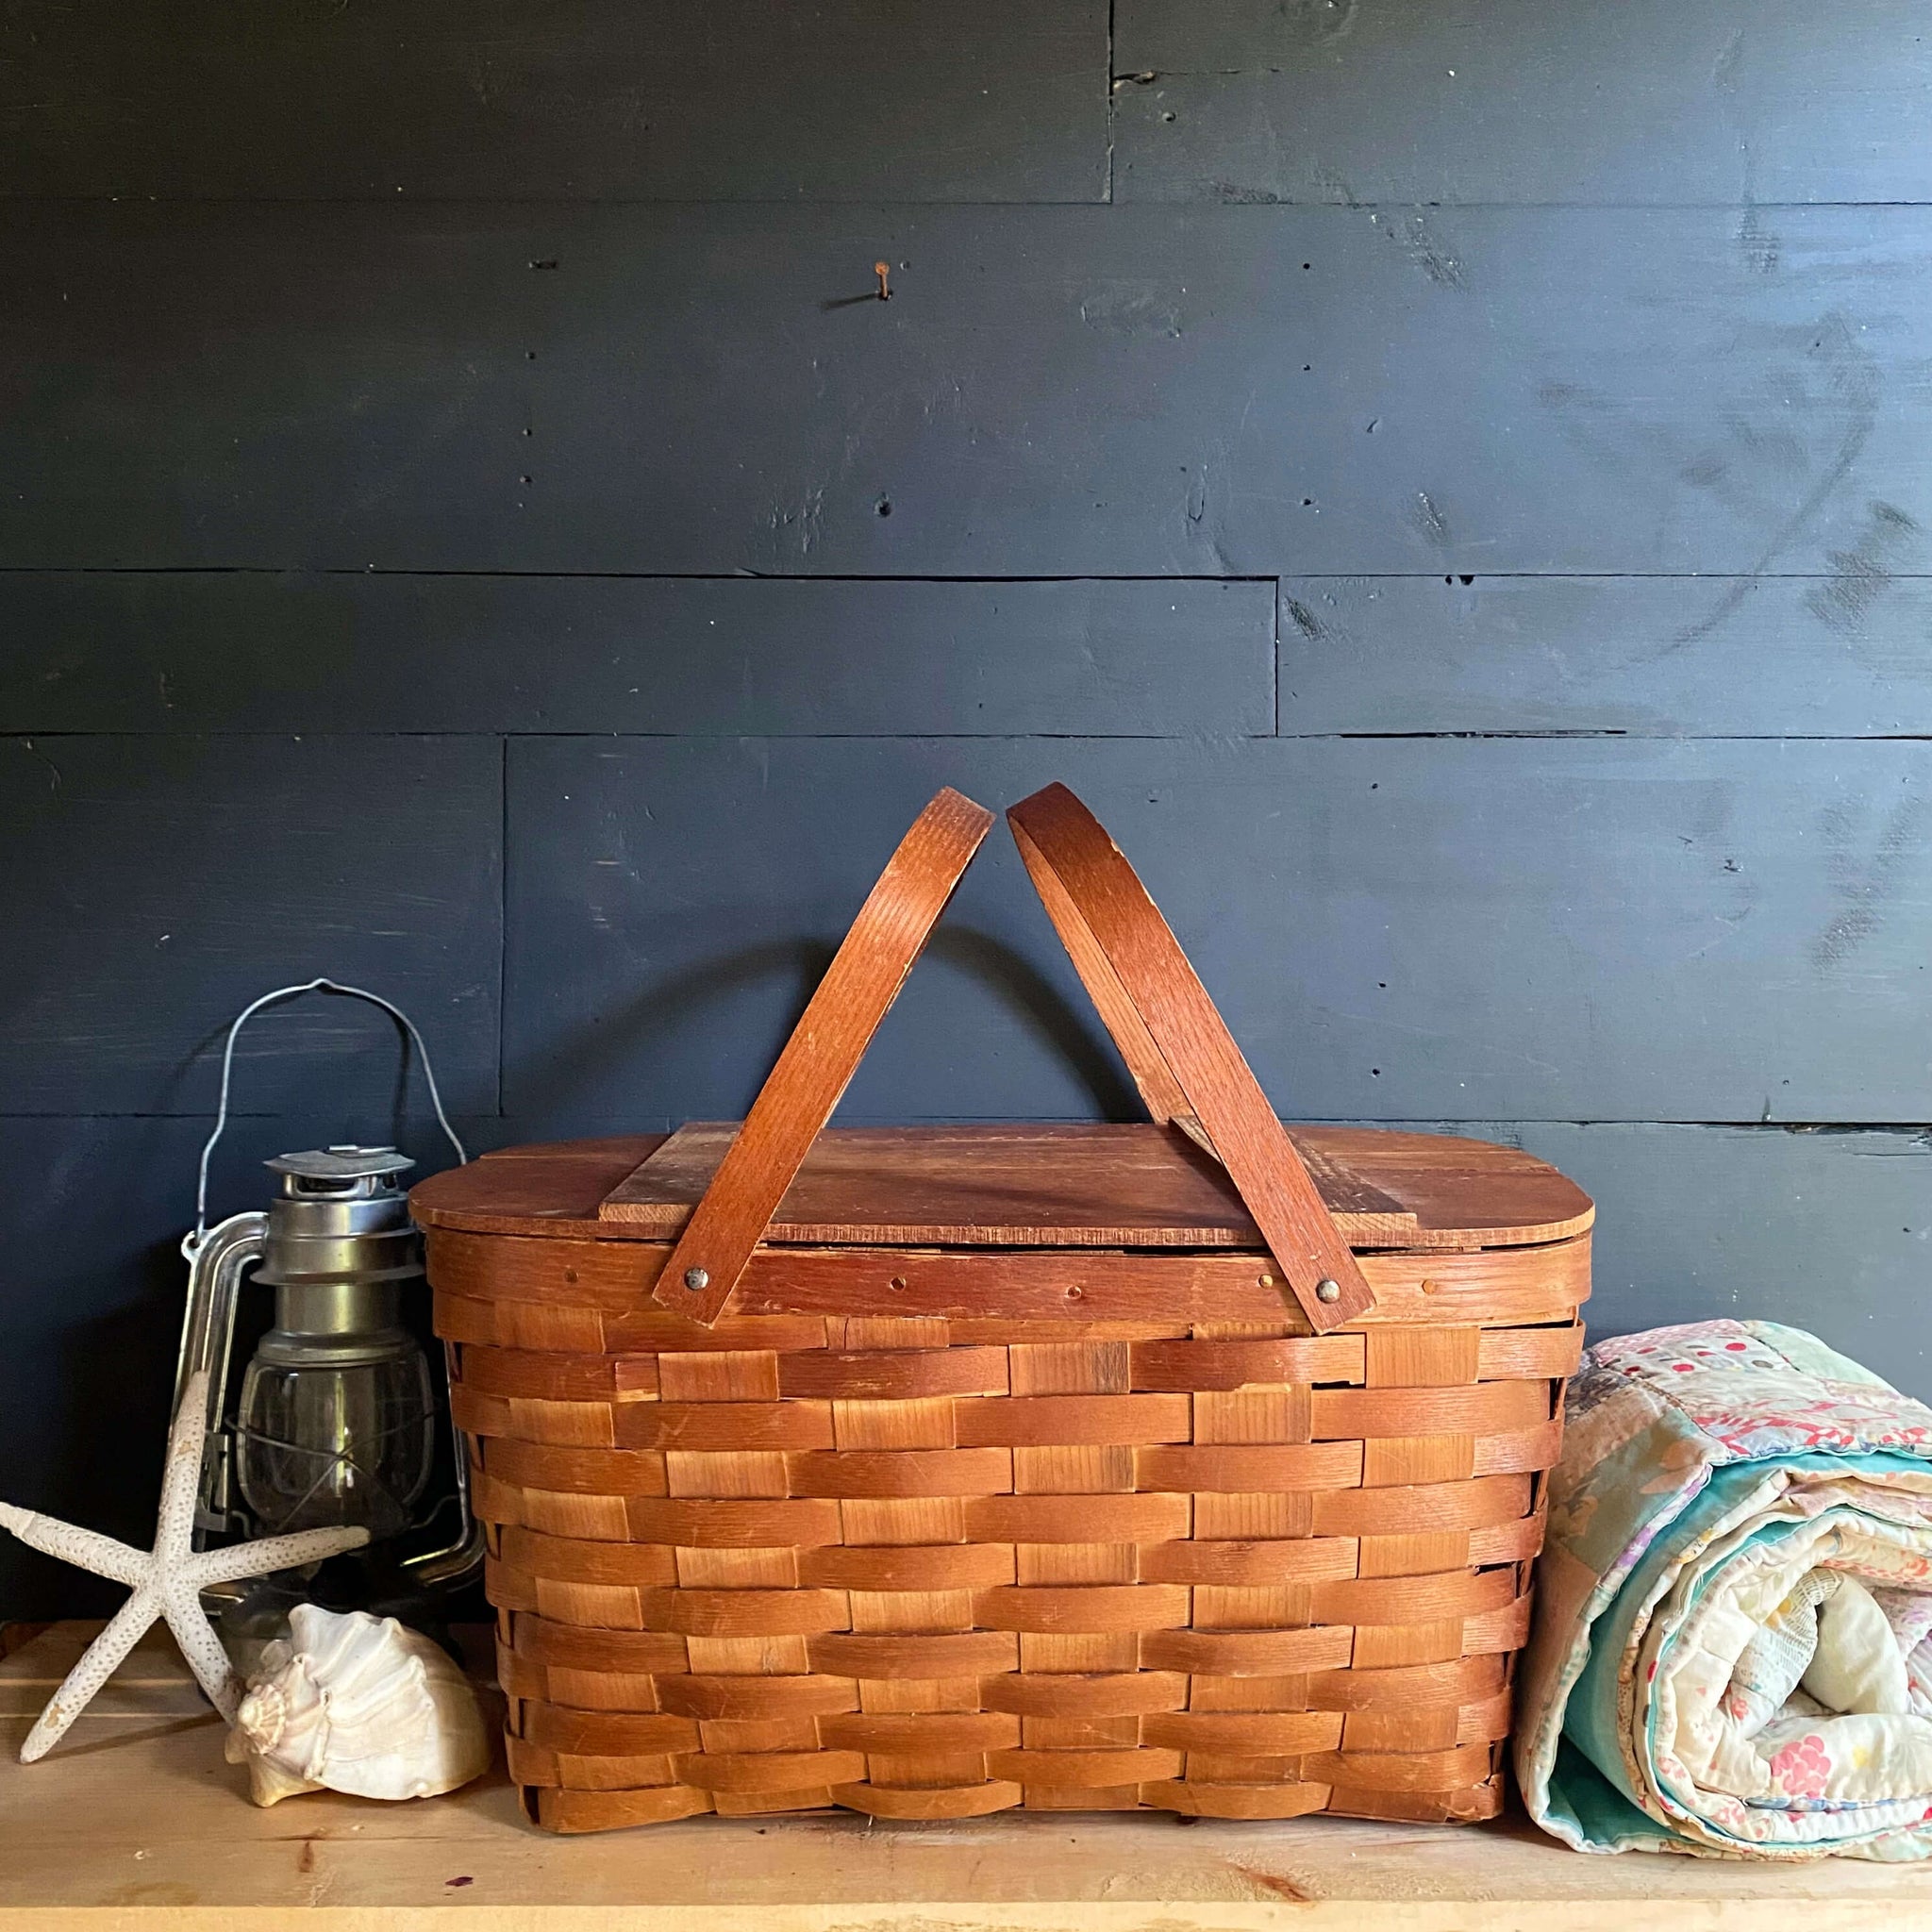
(1447, 1194)
(818, 1061)
(1412, 101)
(1840, 655)
(213, 650)
(1551, 390)
(1106, 1187)
(1128, 956)
(592, 100)
(1135, 1297)
(165, 884)
(1422, 927)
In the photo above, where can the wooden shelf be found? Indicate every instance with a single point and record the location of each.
(138, 1816)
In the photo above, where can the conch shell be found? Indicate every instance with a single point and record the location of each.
(359, 1704)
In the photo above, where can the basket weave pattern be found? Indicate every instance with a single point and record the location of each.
(932, 1568)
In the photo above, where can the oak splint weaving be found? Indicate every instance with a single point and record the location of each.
(1191, 1465)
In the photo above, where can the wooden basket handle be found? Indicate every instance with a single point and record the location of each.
(822, 1055)
(1178, 1047)
(1187, 1066)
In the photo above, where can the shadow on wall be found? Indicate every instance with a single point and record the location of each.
(670, 1005)
(102, 1433)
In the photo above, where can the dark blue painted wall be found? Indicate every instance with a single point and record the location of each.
(1451, 483)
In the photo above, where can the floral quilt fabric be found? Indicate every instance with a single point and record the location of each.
(1733, 1645)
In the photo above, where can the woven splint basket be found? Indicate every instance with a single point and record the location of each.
(928, 1472)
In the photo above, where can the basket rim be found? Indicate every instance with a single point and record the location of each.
(1452, 1191)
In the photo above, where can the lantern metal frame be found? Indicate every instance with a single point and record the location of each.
(220, 1256)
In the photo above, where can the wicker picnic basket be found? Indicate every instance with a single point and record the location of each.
(932, 1471)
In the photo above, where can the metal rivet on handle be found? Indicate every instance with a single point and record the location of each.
(1324, 1291)
(697, 1280)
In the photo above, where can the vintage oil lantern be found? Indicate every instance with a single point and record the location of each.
(339, 1418)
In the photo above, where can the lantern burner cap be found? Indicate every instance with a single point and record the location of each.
(340, 1163)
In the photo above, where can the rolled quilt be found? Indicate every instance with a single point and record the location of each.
(1733, 1644)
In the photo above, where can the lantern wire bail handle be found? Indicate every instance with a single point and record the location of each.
(191, 1242)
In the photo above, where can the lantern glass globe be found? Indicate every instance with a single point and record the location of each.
(324, 1444)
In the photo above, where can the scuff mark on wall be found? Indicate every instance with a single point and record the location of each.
(1723, 81)
(1239, 194)
(1851, 385)
(33, 751)
(1761, 248)
(1205, 520)
(1864, 886)
(1436, 260)
(1862, 574)
(1419, 242)
(1802, 429)
(1322, 21)
(800, 527)
(1131, 306)
(1336, 185)
(1429, 520)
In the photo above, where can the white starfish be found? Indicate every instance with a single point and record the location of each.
(167, 1580)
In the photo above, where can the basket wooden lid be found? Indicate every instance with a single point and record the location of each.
(1018, 1186)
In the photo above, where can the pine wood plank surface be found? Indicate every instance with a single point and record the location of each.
(138, 1821)
(994, 1186)
(1442, 1190)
